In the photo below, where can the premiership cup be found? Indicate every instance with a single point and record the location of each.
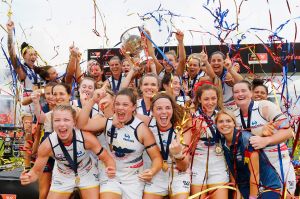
(132, 45)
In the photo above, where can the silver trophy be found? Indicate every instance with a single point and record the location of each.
(132, 45)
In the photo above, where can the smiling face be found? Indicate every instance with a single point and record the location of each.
(27, 123)
(173, 88)
(63, 123)
(242, 94)
(115, 67)
(125, 66)
(61, 95)
(149, 86)
(225, 124)
(172, 60)
(163, 112)
(95, 70)
(217, 63)
(259, 93)
(124, 108)
(30, 56)
(50, 99)
(193, 67)
(208, 101)
(87, 86)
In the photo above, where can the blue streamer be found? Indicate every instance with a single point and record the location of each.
(158, 49)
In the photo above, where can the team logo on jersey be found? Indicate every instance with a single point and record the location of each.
(127, 138)
(122, 152)
(253, 123)
(109, 134)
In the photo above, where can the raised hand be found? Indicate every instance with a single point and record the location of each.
(227, 62)
(10, 25)
(98, 95)
(179, 36)
(176, 148)
(35, 97)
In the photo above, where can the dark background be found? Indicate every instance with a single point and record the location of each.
(279, 52)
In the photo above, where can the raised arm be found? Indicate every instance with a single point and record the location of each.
(181, 52)
(38, 112)
(71, 68)
(232, 70)
(44, 153)
(177, 150)
(94, 124)
(150, 49)
(11, 50)
(204, 61)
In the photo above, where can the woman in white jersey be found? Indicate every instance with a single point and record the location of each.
(256, 117)
(208, 164)
(74, 166)
(172, 84)
(61, 93)
(174, 178)
(149, 86)
(221, 70)
(126, 144)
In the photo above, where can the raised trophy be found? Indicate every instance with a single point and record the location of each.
(132, 45)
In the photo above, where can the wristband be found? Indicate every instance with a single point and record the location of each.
(101, 150)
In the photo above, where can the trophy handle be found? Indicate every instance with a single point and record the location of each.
(127, 31)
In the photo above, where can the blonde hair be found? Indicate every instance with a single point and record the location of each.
(65, 108)
(226, 112)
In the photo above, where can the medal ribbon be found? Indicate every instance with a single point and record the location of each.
(248, 127)
(73, 163)
(115, 89)
(145, 112)
(165, 153)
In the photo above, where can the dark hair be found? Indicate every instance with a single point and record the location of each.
(65, 108)
(259, 82)
(42, 71)
(130, 93)
(206, 87)
(243, 82)
(178, 111)
(166, 80)
(23, 46)
(51, 84)
(218, 52)
(67, 87)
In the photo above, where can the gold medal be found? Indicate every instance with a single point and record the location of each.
(165, 166)
(218, 149)
(77, 180)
